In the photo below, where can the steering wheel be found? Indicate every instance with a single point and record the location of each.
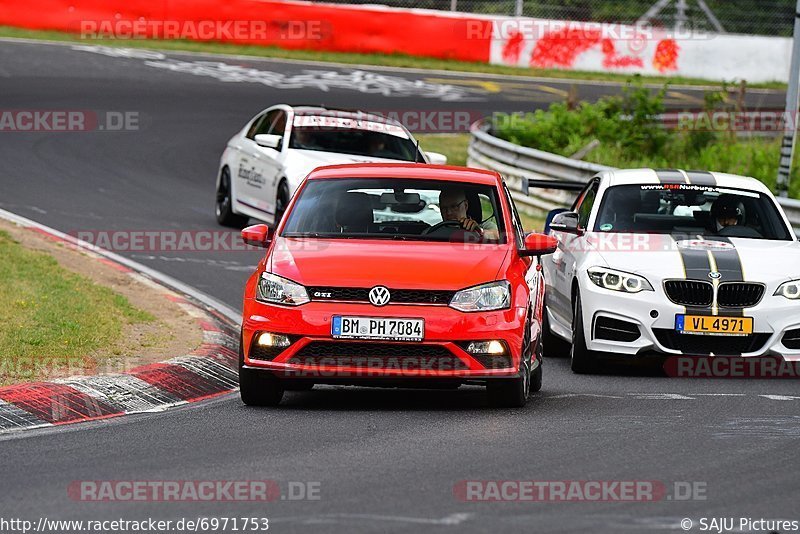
(439, 226)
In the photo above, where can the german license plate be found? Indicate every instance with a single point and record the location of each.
(704, 324)
(391, 329)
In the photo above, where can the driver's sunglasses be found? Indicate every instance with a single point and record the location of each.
(449, 207)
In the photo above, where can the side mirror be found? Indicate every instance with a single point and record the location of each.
(565, 222)
(268, 140)
(550, 217)
(258, 235)
(539, 245)
(435, 158)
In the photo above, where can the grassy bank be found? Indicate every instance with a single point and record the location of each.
(51, 320)
(383, 60)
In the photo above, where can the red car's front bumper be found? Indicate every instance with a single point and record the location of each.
(314, 353)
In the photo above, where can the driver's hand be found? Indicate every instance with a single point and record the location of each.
(470, 225)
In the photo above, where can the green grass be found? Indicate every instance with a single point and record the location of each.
(383, 60)
(454, 146)
(52, 320)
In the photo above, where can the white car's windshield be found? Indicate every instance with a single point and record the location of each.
(353, 141)
(690, 209)
(396, 208)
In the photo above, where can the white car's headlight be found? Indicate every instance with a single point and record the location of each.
(618, 280)
(485, 297)
(275, 289)
(790, 290)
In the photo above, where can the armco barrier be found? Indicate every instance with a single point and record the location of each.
(517, 163)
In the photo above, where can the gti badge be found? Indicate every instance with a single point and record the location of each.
(715, 275)
(379, 296)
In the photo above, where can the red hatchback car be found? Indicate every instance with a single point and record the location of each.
(395, 275)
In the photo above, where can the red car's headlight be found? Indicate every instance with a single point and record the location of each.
(274, 289)
(486, 297)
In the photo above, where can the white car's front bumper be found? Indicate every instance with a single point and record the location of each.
(654, 314)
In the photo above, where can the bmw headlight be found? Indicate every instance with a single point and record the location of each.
(485, 297)
(618, 280)
(790, 290)
(275, 289)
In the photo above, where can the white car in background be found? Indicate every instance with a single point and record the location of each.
(264, 163)
(668, 262)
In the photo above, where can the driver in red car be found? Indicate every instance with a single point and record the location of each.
(453, 205)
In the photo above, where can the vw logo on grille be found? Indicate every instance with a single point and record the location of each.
(379, 296)
(715, 275)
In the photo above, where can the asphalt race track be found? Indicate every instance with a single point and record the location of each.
(385, 460)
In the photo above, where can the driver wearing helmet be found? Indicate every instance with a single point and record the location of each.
(453, 205)
(726, 211)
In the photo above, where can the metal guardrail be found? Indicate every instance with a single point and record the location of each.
(516, 163)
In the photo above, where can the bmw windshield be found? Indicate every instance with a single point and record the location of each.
(396, 208)
(351, 136)
(690, 209)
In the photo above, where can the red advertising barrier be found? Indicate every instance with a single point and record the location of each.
(286, 24)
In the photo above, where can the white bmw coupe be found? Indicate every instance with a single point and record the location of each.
(669, 262)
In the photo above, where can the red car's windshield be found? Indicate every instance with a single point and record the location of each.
(396, 208)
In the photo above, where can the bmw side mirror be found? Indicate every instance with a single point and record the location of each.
(549, 219)
(539, 245)
(565, 222)
(258, 235)
(268, 140)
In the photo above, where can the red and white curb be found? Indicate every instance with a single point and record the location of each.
(208, 371)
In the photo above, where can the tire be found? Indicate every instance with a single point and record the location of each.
(582, 360)
(258, 388)
(536, 376)
(297, 385)
(224, 203)
(514, 392)
(554, 346)
(281, 201)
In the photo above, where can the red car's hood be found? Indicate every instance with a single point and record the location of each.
(395, 264)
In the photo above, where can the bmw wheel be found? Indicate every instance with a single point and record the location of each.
(281, 201)
(224, 204)
(582, 360)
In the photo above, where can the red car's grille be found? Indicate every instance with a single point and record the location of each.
(378, 356)
(398, 296)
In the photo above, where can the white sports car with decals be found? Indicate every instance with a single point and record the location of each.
(670, 262)
(264, 163)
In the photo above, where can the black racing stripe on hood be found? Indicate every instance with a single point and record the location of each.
(701, 178)
(670, 176)
(729, 264)
(695, 267)
(695, 262)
